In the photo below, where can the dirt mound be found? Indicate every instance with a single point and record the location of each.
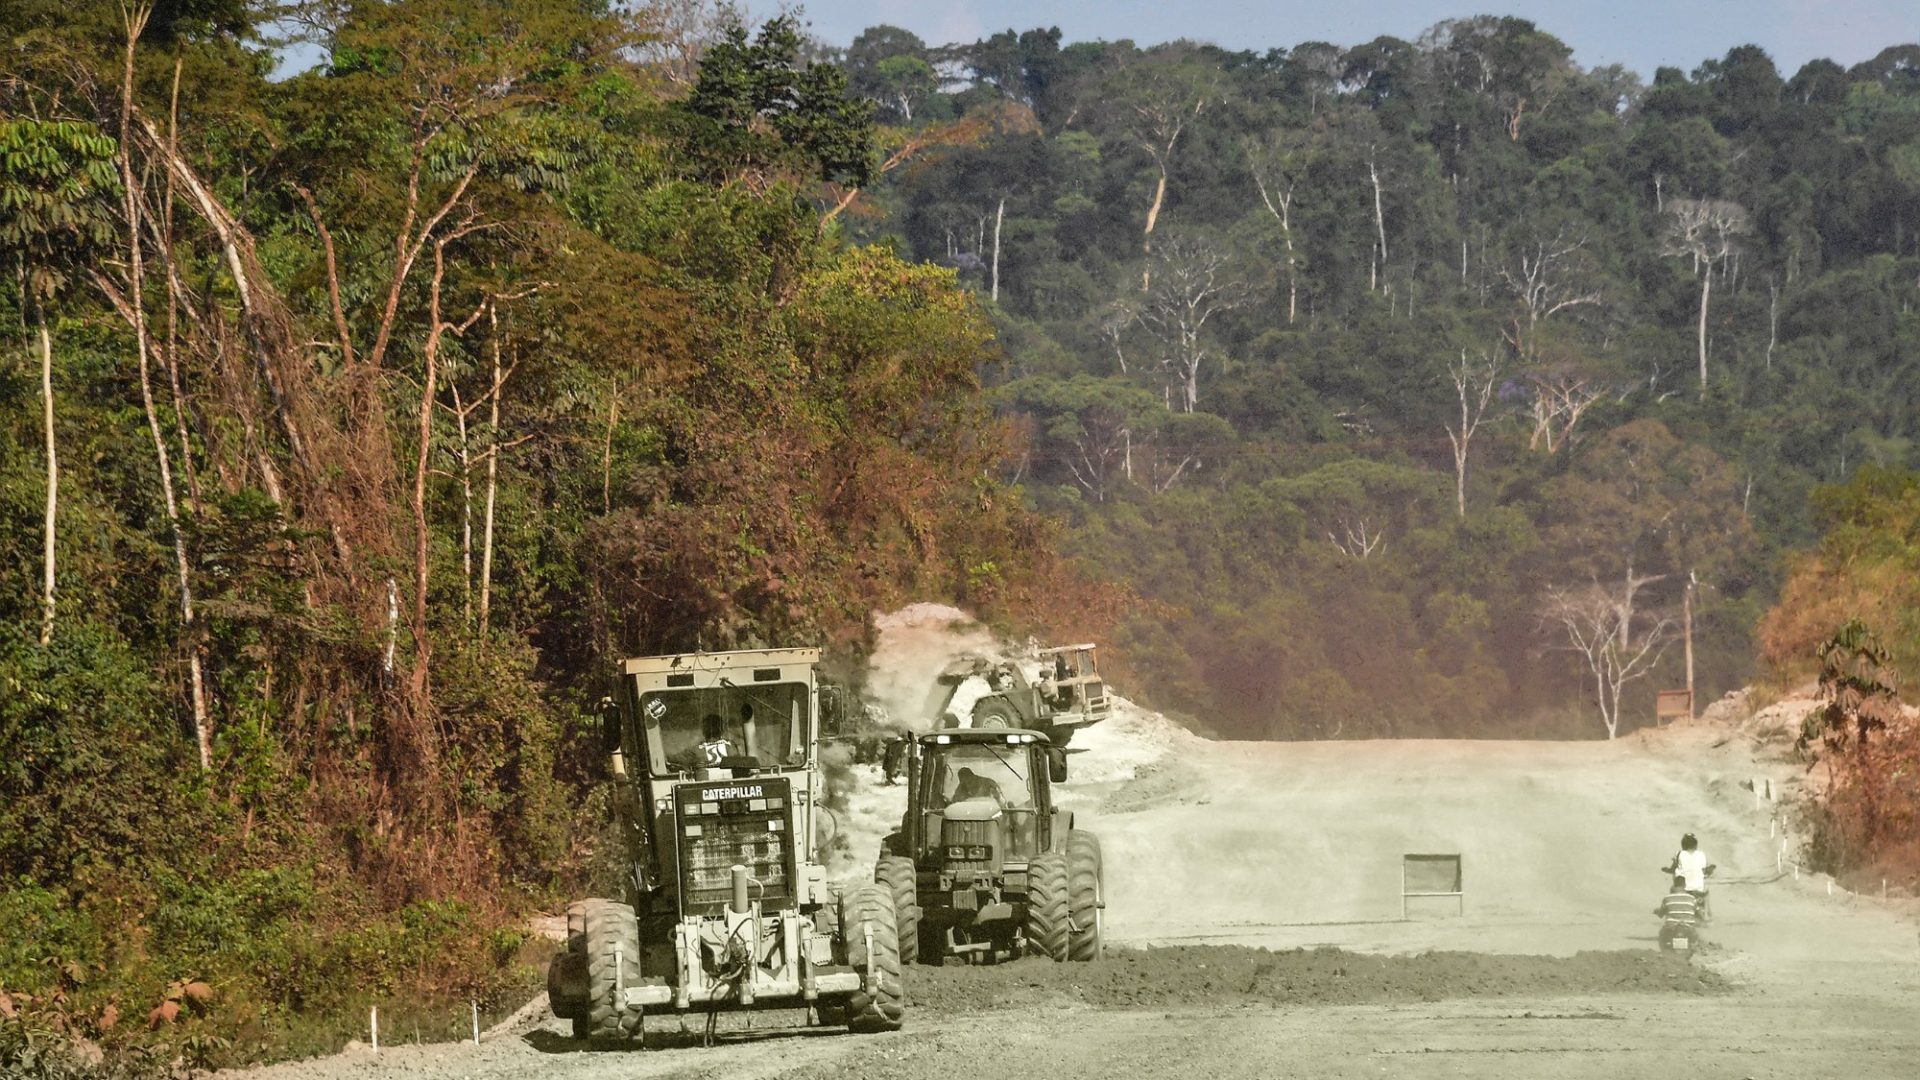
(1215, 975)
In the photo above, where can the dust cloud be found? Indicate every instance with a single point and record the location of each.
(913, 645)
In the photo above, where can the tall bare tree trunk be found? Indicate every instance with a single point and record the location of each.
(1379, 212)
(466, 506)
(1146, 240)
(53, 476)
(998, 216)
(135, 23)
(429, 382)
(1282, 209)
(1706, 289)
(1686, 608)
(606, 454)
(493, 475)
(171, 355)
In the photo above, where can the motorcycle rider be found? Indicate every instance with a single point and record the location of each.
(1679, 914)
(1691, 867)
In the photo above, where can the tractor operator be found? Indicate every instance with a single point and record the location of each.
(971, 785)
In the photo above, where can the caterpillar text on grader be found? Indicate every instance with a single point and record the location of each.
(725, 903)
(985, 866)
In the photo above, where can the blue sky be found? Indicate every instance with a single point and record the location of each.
(1642, 34)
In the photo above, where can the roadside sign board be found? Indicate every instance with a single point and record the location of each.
(1672, 705)
(1431, 875)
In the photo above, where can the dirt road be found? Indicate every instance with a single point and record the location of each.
(1298, 846)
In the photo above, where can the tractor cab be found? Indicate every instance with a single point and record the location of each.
(981, 798)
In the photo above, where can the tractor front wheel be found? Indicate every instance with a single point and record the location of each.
(896, 873)
(1047, 910)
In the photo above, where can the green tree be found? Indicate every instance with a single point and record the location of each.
(56, 181)
(757, 114)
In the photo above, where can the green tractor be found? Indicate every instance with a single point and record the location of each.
(725, 905)
(985, 867)
(1062, 693)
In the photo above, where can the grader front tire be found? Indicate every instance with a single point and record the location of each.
(866, 915)
(613, 961)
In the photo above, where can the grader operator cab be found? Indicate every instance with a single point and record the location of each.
(724, 902)
(985, 867)
(1059, 695)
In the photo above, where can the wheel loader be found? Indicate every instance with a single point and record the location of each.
(985, 867)
(724, 903)
(1063, 694)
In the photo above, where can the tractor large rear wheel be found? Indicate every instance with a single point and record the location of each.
(612, 936)
(873, 949)
(1047, 910)
(1086, 895)
(996, 712)
(896, 873)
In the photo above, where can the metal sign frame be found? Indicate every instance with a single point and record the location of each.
(1672, 704)
(1458, 892)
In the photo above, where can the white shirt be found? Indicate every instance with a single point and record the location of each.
(1692, 865)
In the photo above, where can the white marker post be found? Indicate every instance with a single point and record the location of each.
(373, 1025)
(475, 1005)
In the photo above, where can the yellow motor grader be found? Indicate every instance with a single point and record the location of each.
(724, 903)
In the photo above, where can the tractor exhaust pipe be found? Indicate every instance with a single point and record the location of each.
(741, 905)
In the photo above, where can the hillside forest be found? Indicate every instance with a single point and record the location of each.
(354, 419)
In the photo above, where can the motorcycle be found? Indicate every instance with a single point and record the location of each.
(1683, 932)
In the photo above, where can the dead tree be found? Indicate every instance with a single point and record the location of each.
(1473, 383)
(1546, 277)
(1706, 231)
(1173, 94)
(1277, 163)
(1559, 398)
(1358, 540)
(1600, 624)
(1195, 285)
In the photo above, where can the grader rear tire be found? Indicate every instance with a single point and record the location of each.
(1086, 896)
(1047, 911)
(610, 931)
(896, 873)
(567, 978)
(866, 913)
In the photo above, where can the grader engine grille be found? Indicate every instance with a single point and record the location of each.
(743, 822)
